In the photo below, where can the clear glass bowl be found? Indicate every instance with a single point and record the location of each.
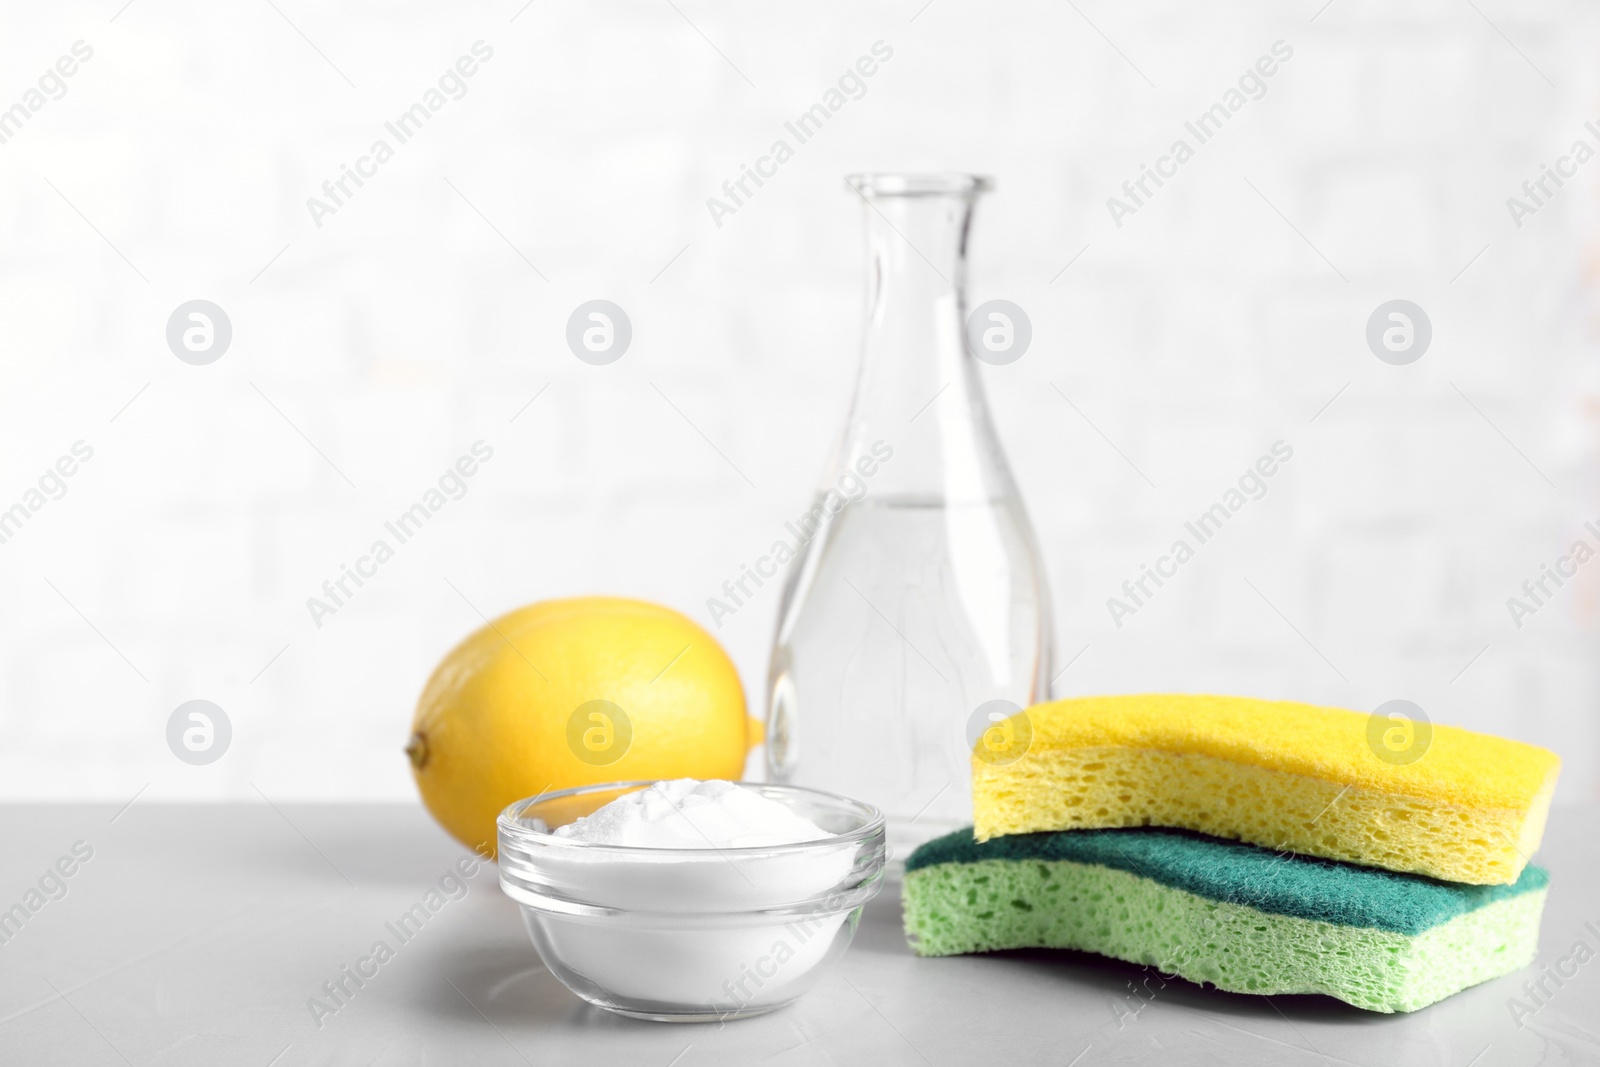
(690, 935)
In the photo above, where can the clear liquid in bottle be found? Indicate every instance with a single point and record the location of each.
(920, 597)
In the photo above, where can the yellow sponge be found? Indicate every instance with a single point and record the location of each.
(1316, 781)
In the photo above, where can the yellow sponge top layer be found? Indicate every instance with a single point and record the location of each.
(1457, 766)
(1407, 796)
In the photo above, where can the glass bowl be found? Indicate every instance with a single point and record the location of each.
(690, 935)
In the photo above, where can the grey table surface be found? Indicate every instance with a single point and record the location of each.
(196, 935)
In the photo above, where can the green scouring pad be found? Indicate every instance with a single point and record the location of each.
(1245, 919)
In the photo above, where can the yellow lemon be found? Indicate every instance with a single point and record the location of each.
(573, 692)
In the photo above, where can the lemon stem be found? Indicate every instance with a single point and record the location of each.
(417, 749)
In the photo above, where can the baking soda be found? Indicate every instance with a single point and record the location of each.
(686, 813)
(714, 919)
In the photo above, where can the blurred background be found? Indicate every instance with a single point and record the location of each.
(376, 338)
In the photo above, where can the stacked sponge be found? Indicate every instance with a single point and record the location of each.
(1296, 857)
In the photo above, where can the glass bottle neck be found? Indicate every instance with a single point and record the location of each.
(918, 391)
(916, 280)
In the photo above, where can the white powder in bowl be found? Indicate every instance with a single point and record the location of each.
(689, 926)
(686, 813)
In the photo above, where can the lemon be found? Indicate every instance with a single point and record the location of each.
(573, 692)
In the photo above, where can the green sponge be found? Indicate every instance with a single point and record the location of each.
(1243, 918)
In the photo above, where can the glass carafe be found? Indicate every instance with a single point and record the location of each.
(918, 597)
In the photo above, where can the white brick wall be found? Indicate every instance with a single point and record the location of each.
(405, 328)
